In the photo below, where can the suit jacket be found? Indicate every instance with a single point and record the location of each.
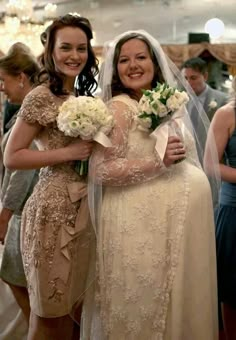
(214, 100)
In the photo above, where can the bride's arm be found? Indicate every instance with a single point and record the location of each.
(113, 168)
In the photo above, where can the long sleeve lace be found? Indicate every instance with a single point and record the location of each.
(123, 164)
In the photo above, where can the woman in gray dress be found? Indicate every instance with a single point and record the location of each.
(17, 71)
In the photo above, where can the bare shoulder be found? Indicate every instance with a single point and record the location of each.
(225, 115)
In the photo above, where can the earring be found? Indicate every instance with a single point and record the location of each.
(21, 85)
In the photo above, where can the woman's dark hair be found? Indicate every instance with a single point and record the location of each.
(86, 79)
(116, 86)
(20, 59)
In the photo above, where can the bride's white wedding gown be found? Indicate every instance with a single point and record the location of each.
(156, 246)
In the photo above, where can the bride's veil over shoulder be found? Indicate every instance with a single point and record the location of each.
(199, 130)
(198, 133)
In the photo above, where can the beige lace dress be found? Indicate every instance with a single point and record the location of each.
(55, 240)
(156, 246)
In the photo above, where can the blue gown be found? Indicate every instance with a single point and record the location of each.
(226, 232)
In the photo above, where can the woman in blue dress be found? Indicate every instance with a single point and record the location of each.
(224, 128)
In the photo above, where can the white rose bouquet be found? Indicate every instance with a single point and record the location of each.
(87, 118)
(156, 105)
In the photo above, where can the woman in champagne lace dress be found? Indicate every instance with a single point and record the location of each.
(156, 249)
(56, 236)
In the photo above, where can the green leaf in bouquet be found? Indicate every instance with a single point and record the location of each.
(144, 115)
(163, 100)
(147, 93)
(155, 106)
(156, 120)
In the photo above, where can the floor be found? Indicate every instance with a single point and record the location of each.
(12, 322)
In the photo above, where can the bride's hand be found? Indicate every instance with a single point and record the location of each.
(80, 149)
(175, 151)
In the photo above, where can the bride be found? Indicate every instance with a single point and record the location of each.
(156, 272)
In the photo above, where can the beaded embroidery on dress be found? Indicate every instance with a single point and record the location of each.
(55, 249)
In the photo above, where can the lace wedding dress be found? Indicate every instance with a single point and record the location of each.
(156, 248)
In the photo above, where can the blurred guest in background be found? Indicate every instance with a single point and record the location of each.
(17, 70)
(195, 72)
(224, 129)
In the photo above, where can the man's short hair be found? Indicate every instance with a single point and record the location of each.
(197, 64)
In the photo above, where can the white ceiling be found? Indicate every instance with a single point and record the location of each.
(169, 21)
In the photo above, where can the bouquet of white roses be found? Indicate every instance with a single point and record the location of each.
(159, 104)
(87, 118)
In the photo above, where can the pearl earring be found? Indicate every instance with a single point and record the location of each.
(21, 85)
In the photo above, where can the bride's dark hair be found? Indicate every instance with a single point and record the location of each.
(116, 85)
(86, 81)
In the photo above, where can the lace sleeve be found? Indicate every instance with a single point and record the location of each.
(115, 168)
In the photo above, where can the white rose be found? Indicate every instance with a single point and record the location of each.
(185, 97)
(156, 96)
(212, 104)
(182, 97)
(73, 128)
(87, 131)
(159, 109)
(108, 125)
(165, 93)
(144, 105)
(173, 103)
(84, 116)
(145, 122)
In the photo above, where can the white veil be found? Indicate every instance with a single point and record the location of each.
(199, 130)
(199, 126)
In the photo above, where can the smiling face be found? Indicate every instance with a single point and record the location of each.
(135, 66)
(70, 53)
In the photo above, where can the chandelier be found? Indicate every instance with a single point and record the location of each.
(19, 23)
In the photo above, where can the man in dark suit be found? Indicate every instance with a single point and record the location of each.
(195, 72)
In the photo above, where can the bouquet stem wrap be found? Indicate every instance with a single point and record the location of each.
(162, 132)
(81, 167)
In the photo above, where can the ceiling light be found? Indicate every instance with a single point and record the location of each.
(215, 28)
(19, 23)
